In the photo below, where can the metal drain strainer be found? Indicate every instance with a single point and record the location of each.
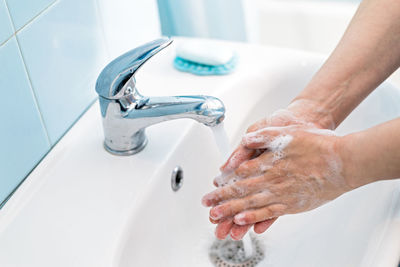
(230, 253)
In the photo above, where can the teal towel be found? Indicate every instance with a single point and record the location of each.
(201, 69)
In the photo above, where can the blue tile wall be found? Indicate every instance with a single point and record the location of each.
(22, 11)
(6, 30)
(23, 139)
(61, 53)
(50, 54)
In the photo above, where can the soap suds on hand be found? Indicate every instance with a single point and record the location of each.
(278, 145)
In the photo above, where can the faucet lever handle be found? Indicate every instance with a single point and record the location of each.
(116, 74)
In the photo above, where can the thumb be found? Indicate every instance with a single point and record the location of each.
(262, 138)
(240, 155)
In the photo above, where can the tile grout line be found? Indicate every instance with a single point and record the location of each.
(30, 20)
(34, 94)
(12, 25)
(36, 102)
(8, 39)
(15, 32)
(2, 203)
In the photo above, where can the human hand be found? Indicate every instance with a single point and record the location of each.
(300, 170)
(300, 112)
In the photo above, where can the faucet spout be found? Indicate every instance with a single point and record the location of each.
(204, 109)
(126, 113)
(124, 125)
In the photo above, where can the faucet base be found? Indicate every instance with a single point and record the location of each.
(126, 152)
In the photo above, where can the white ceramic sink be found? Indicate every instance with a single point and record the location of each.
(84, 207)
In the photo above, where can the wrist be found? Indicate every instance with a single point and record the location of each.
(343, 147)
(355, 161)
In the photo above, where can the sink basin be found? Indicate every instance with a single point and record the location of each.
(84, 207)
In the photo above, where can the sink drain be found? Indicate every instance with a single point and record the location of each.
(230, 253)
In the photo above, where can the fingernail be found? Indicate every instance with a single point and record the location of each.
(238, 237)
(216, 214)
(206, 201)
(240, 219)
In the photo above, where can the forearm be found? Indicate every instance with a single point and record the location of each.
(371, 155)
(367, 54)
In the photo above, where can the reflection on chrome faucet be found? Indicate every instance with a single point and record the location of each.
(126, 113)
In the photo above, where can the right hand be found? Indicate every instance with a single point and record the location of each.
(299, 112)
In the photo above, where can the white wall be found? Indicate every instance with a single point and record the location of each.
(129, 23)
(315, 26)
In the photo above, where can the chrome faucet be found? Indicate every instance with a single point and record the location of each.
(126, 113)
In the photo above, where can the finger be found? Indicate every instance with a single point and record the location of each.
(238, 156)
(223, 228)
(262, 138)
(256, 166)
(239, 189)
(261, 227)
(258, 125)
(229, 178)
(214, 221)
(235, 206)
(259, 215)
(215, 182)
(238, 231)
(225, 179)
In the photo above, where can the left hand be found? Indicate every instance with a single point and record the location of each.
(300, 170)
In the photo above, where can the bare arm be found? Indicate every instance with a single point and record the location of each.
(367, 54)
(373, 154)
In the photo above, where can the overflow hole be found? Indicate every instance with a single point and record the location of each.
(176, 178)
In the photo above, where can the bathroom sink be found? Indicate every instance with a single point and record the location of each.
(172, 229)
(85, 207)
